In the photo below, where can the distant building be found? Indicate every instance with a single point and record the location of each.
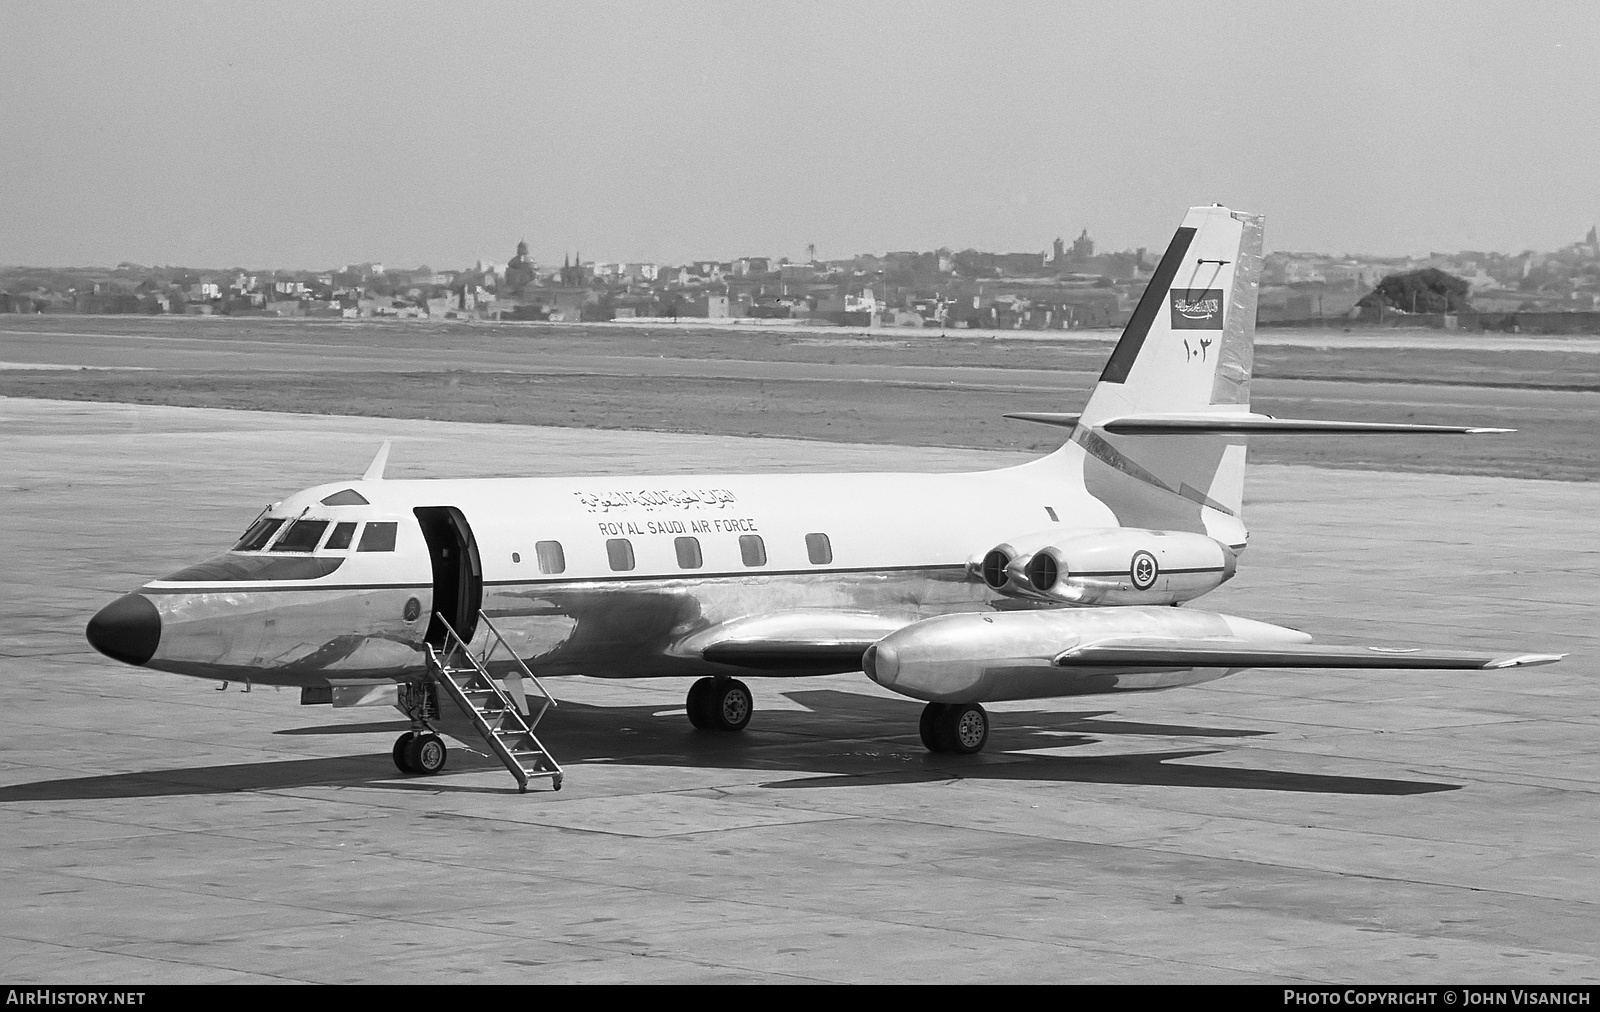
(574, 274)
(520, 269)
(1083, 246)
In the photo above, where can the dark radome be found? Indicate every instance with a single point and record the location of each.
(128, 629)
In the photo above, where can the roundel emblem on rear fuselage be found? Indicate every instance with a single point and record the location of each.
(1143, 570)
(413, 609)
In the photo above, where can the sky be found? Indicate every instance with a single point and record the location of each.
(311, 135)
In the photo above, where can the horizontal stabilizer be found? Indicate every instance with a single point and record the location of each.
(1061, 418)
(1201, 424)
(1154, 652)
(1178, 425)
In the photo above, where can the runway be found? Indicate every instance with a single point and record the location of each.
(1271, 827)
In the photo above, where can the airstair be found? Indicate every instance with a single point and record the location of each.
(499, 720)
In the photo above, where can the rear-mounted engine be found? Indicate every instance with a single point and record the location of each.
(1118, 566)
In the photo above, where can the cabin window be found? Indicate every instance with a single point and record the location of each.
(753, 549)
(688, 553)
(302, 536)
(378, 537)
(552, 559)
(620, 552)
(339, 540)
(259, 534)
(346, 497)
(819, 549)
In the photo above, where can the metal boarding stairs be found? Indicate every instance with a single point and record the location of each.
(499, 721)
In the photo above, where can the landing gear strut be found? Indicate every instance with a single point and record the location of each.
(962, 728)
(422, 753)
(720, 704)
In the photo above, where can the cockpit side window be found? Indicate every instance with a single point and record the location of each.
(259, 534)
(302, 536)
(339, 540)
(378, 537)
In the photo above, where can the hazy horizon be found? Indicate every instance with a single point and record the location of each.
(311, 136)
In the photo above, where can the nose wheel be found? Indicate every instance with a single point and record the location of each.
(423, 753)
(962, 728)
(720, 704)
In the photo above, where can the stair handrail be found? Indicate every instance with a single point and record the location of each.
(556, 772)
(549, 700)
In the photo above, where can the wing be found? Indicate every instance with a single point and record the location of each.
(1153, 652)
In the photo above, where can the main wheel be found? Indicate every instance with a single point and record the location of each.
(928, 727)
(698, 703)
(426, 753)
(400, 761)
(962, 728)
(720, 704)
(731, 705)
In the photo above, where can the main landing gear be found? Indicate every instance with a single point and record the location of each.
(420, 753)
(720, 704)
(962, 728)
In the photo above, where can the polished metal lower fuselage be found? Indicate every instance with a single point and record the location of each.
(613, 628)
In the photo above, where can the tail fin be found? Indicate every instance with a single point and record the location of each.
(1187, 350)
(1191, 342)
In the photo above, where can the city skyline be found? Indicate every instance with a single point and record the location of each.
(181, 133)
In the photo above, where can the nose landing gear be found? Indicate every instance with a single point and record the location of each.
(422, 753)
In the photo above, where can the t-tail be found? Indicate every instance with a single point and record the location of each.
(1161, 440)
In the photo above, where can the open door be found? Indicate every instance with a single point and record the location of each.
(457, 572)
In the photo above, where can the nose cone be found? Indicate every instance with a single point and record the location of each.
(128, 629)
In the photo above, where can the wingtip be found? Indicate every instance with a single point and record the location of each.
(1522, 661)
(374, 471)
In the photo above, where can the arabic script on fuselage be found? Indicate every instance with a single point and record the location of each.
(652, 499)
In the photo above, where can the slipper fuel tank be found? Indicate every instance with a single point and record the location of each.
(983, 657)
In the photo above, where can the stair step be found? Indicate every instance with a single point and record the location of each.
(496, 717)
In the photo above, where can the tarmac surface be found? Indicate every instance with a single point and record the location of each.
(1276, 826)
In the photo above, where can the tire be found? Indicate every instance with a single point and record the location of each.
(698, 703)
(928, 727)
(963, 728)
(731, 705)
(426, 754)
(400, 761)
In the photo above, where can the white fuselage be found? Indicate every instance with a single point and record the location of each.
(622, 594)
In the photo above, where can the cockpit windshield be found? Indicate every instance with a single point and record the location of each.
(302, 536)
(259, 534)
(305, 535)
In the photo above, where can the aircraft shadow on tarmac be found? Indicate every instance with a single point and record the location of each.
(849, 739)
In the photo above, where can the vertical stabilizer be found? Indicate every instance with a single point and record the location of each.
(1188, 349)
(1190, 344)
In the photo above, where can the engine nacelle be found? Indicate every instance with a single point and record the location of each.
(981, 657)
(1117, 566)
